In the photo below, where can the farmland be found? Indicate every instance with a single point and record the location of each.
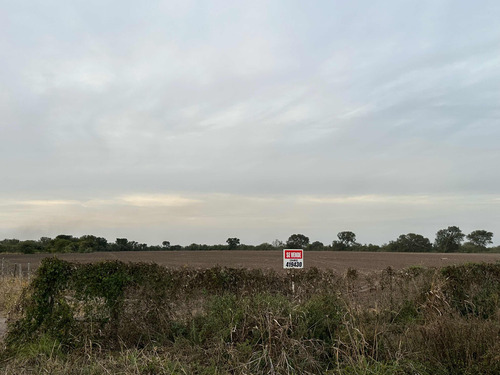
(354, 313)
(365, 262)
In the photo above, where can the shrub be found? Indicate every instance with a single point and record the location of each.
(473, 288)
(223, 320)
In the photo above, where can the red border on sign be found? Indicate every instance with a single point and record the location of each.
(293, 254)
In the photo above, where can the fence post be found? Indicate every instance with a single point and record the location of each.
(20, 271)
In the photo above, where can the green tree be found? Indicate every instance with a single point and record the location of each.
(9, 245)
(30, 247)
(45, 243)
(347, 238)
(448, 240)
(166, 244)
(338, 246)
(90, 243)
(316, 245)
(264, 246)
(233, 243)
(278, 244)
(123, 244)
(480, 238)
(63, 243)
(297, 241)
(346, 241)
(410, 242)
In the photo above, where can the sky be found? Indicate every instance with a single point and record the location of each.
(195, 121)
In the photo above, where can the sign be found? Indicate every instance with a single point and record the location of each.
(293, 258)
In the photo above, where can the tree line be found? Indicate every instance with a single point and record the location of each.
(447, 240)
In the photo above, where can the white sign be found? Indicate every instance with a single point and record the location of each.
(293, 258)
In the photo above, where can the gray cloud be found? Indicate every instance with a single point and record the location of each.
(108, 99)
(255, 219)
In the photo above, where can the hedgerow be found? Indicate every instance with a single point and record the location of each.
(253, 321)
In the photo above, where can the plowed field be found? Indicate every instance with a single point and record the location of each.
(338, 261)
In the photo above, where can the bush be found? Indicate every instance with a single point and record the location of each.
(473, 288)
(223, 320)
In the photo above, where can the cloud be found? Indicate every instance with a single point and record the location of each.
(377, 199)
(211, 218)
(43, 203)
(121, 112)
(156, 200)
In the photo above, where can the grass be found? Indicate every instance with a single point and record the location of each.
(149, 320)
(10, 292)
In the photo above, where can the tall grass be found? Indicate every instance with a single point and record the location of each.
(10, 292)
(137, 318)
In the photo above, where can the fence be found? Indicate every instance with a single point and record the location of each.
(19, 270)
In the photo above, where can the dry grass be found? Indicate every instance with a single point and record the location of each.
(10, 291)
(129, 362)
(393, 322)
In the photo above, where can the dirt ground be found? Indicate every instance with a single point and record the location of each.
(338, 261)
(364, 262)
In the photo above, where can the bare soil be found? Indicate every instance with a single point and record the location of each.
(339, 261)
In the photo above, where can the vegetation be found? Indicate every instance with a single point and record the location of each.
(297, 241)
(347, 241)
(233, 243)
(113, 317)
(10, 292)
(410, 242)
(447, 240)
(480, 238)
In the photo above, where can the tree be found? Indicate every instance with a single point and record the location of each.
(90, 243)
(297, 241)
(30, 247)
(166, 244)
(449, 240)
(9, 245)
(67, 237)
(264, 246)
(346, 241)
(123, 244)
(338, 246)
(347, 238)
(480, 238)
(316, 245)
(64, 244)
(410, 242)
(278, 244)
(45, 243)
(233, 243)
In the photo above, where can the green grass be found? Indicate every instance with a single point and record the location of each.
(143, 319)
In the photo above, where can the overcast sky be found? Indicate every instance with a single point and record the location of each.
(195, 121)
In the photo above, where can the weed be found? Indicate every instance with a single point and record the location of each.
(113, 317)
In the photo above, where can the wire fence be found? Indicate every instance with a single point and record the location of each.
(18, 270)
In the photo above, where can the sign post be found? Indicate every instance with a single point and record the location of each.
(293, 258)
